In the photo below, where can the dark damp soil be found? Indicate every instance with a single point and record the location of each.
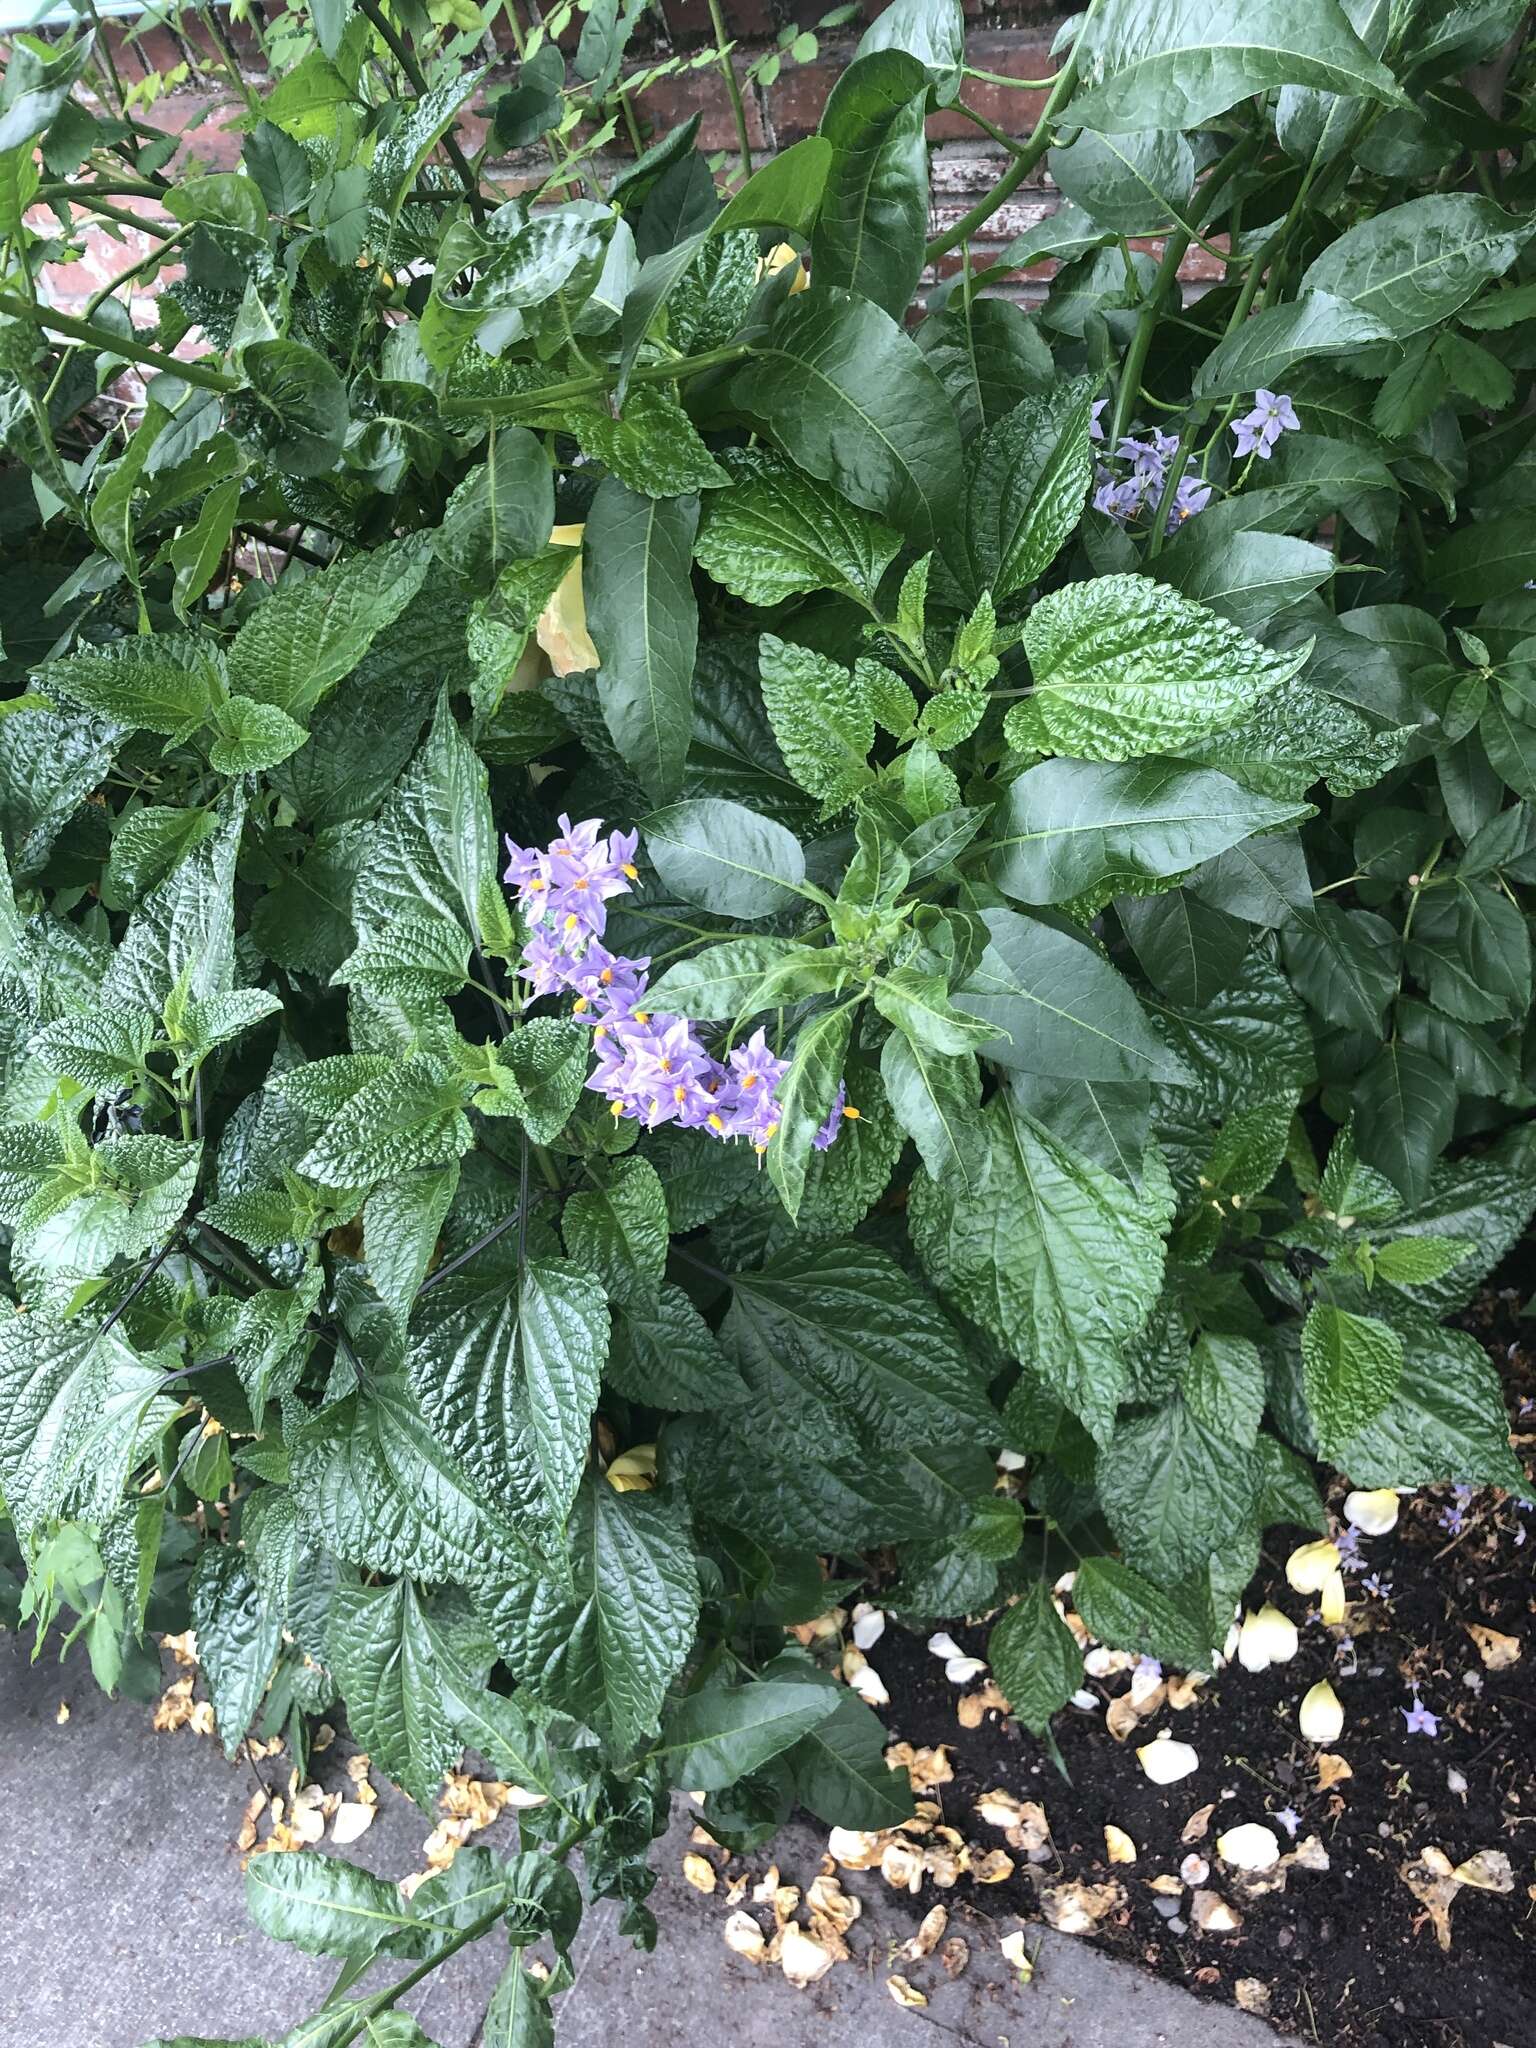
(1346, 1956)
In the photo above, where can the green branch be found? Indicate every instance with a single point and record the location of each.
(517, 404)
(131, 350)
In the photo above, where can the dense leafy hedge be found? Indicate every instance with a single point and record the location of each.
(1069, 992)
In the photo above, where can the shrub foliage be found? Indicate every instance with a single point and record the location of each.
(1095, 745)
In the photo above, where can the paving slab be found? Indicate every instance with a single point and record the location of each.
(125, 1920)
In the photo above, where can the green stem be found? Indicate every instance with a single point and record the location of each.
(1002, 78)
(989, 128)
(118, 344)
(1029, 154)
(400, 50)
(120, 214)
(732, 86)
(513, 404)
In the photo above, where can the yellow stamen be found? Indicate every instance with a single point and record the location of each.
(642, 1016)
(850, 1111)
(579, 1005)
(616, 1109)
(715, 1122)
(679, 1092)
(632, 872)
(571, 921)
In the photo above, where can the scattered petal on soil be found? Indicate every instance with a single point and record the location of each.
(700, 1872)
(929, 1934)
(1166, 1761)
(1118, 1846)
(803, 1959)
(1374, 1513)
(1497, 1651)
(1249, 1847)
(904, 1993)
(744, 1937)
(1321, 1718)
(1079, 1908)
(1209, 1913)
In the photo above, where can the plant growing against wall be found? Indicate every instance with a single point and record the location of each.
(649, 910)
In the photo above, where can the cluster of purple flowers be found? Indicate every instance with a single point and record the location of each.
(651, 1065)
(1125, 498)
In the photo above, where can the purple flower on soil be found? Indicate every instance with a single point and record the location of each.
(1418, 1719)
(1452, 1520)
(1347, 1543)
(1376, 1584)
(1257, 432)
(1289, 1819)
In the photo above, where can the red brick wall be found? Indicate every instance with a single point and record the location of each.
(1014, 41)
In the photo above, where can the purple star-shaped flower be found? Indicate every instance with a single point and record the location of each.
(1419, 1720)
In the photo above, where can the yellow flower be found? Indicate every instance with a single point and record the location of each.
(635, 1471)
(779, 259)
(562, 625)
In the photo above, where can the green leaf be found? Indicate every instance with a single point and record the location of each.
(1416, 264)
(508, 1377)
(785, 192)
(838, 1337)
(401, 1221)
(549, 1058)
(610, 1661)
(326, 1907)
(518, 2015)
(161, 682)
(937, 1100)
(503, 511)
(1187, 949)
(1133, 183)
(1412, 1261)
(1128, 1612)
(664, 1355)
(1261, 351)
(1484, 560)
(238, 1638)
(252, 736)
(873, 219)
(432, 852)
(641, 613)
(918, 1004)
(373, 1483)
(1223, 1388)
(652, 448)
(806, 1095)
(775, 533)
(725, 858)
(1445, 1420)
(985, 352)
(725, 1732)
(719, 980)
(1405, 1111)
(298, 644)
(103, 1049)
(1350, 1366)
(1060, 1261)
(1177, 63)
(1067, 828)
(1174, 1490)
(933, 31)
(851, 398)
(1064, 1009)
(618, 1230)
(1346, 963)
(297, 407)
(1035, 1659)
(1026, 481)
(410, 1117)
(384, 1654)
(821, 719)
(1124, 667)
(197, 551)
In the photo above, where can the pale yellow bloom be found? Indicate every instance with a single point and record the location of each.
(1322, 1717)
(781, 258)
(562, 625)
(1309, 1568)
(635, 1471)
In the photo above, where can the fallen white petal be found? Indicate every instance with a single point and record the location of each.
(1374, 1513)
(1166, 1761)
(1309, 1567)
(868, 1625)
(1268, 1637)
(1249, 1847)
(1322, 1717)
(960, 1670)
(870, 1687)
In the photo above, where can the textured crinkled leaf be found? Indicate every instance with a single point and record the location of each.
(664, 1355)
(183, 933)
(775, 533)
(1026, 482)
(1128, 1612)
(1174, 1490)
(1035, 1659)
(238, 1637)
(433, 847)
(384, 1658)
(1125, 667)
(653, 447)
(618, 1230)
(307, 635)
(1350, 1366)
(323, 1905)
(821, 719)
(1444, 1421)
(1057, 1259)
